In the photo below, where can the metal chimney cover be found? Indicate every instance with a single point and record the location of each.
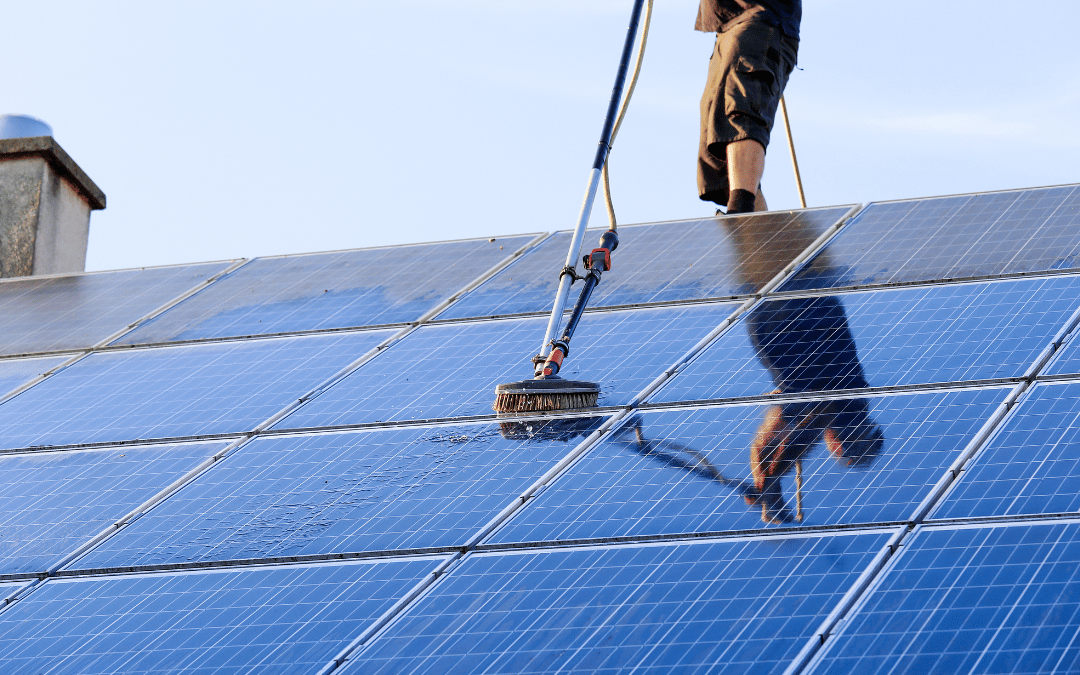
(22, 126)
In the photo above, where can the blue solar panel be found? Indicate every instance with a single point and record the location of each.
(176, 391)
(276, 620)
(16, 372)
(708, 470)
(1067, 361)
(78, 311)
(717, 607)
(882, 338)
(681, 260)
(52, 502)
(335, 493)
(450, 370)
(970, 600)
(330, 290)
(952, 237)
(1031, 466)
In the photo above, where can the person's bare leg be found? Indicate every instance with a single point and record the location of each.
(746, 164)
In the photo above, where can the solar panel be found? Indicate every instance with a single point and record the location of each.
(287, 619)
(970, 600)
(1066, 361)
(661, 262)
(167, 392)
(78, 311)
(862, 460)
(336, 493)
(330, 290)
(450, 370)
(1031, 466)
(952, 237)
(890, 337)
(16, 372)
(52, 502)
(718, 606)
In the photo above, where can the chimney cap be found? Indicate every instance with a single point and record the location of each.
(22, 126)
(47, 148)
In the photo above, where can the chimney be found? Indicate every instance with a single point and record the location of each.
(45, 202)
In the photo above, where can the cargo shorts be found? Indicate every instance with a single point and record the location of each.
(748, 71)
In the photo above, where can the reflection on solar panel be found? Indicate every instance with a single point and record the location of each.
(329, 290)
(685, 260)
(971, 600)
(52, 502)
(335, 493)
(953, 237)
(214, 388)
(787, 482)
(450, 370)
(882, 338)
(290, 619)
(718, 607)
(76, 312)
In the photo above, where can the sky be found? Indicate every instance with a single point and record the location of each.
(224, 129)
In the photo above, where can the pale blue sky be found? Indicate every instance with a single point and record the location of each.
(236, 129)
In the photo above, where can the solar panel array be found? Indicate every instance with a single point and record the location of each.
(829, 440)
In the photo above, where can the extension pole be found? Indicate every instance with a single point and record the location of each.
(791, 147)
(566, 277)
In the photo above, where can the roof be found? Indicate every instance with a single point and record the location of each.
(829, 440)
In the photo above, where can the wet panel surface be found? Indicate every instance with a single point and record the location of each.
(450, 370)
(952, 237)
(680, 260)
(78, 311)
(53, 502)
(836, 462)
(1031, 466)
(282, 620)
(882, 338)
(978, 600)
(176, 391)
(336, 493)
(330, 290)
(717, 607)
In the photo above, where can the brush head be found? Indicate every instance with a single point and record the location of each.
(545, 394)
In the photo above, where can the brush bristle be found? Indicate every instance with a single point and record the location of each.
(524, 403)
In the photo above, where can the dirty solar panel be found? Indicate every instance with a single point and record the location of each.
(52, 502)
(687, 471)
(330, 290)
(16, 372)
(1031, 466)
(78, 311)
(450, 370)
(718, 607)
(970, 600)
(164, 392)
(661, 262)
(290, 619)
(952, 237)
(337, 493)
(901, 336)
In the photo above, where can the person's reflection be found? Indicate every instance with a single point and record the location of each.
(806, 346)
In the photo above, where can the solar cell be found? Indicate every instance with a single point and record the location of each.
(450, 370)
(708, 470)
(52, 502)
(289, 619)
(887, 337)
(1031, 466)
(16, 372)
(719, 607)
(188, 390)
(333, 493)
(952, 237)
(660, 262)
(970, 600)
(78, 311)
(329, 290)
(1066, 361)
